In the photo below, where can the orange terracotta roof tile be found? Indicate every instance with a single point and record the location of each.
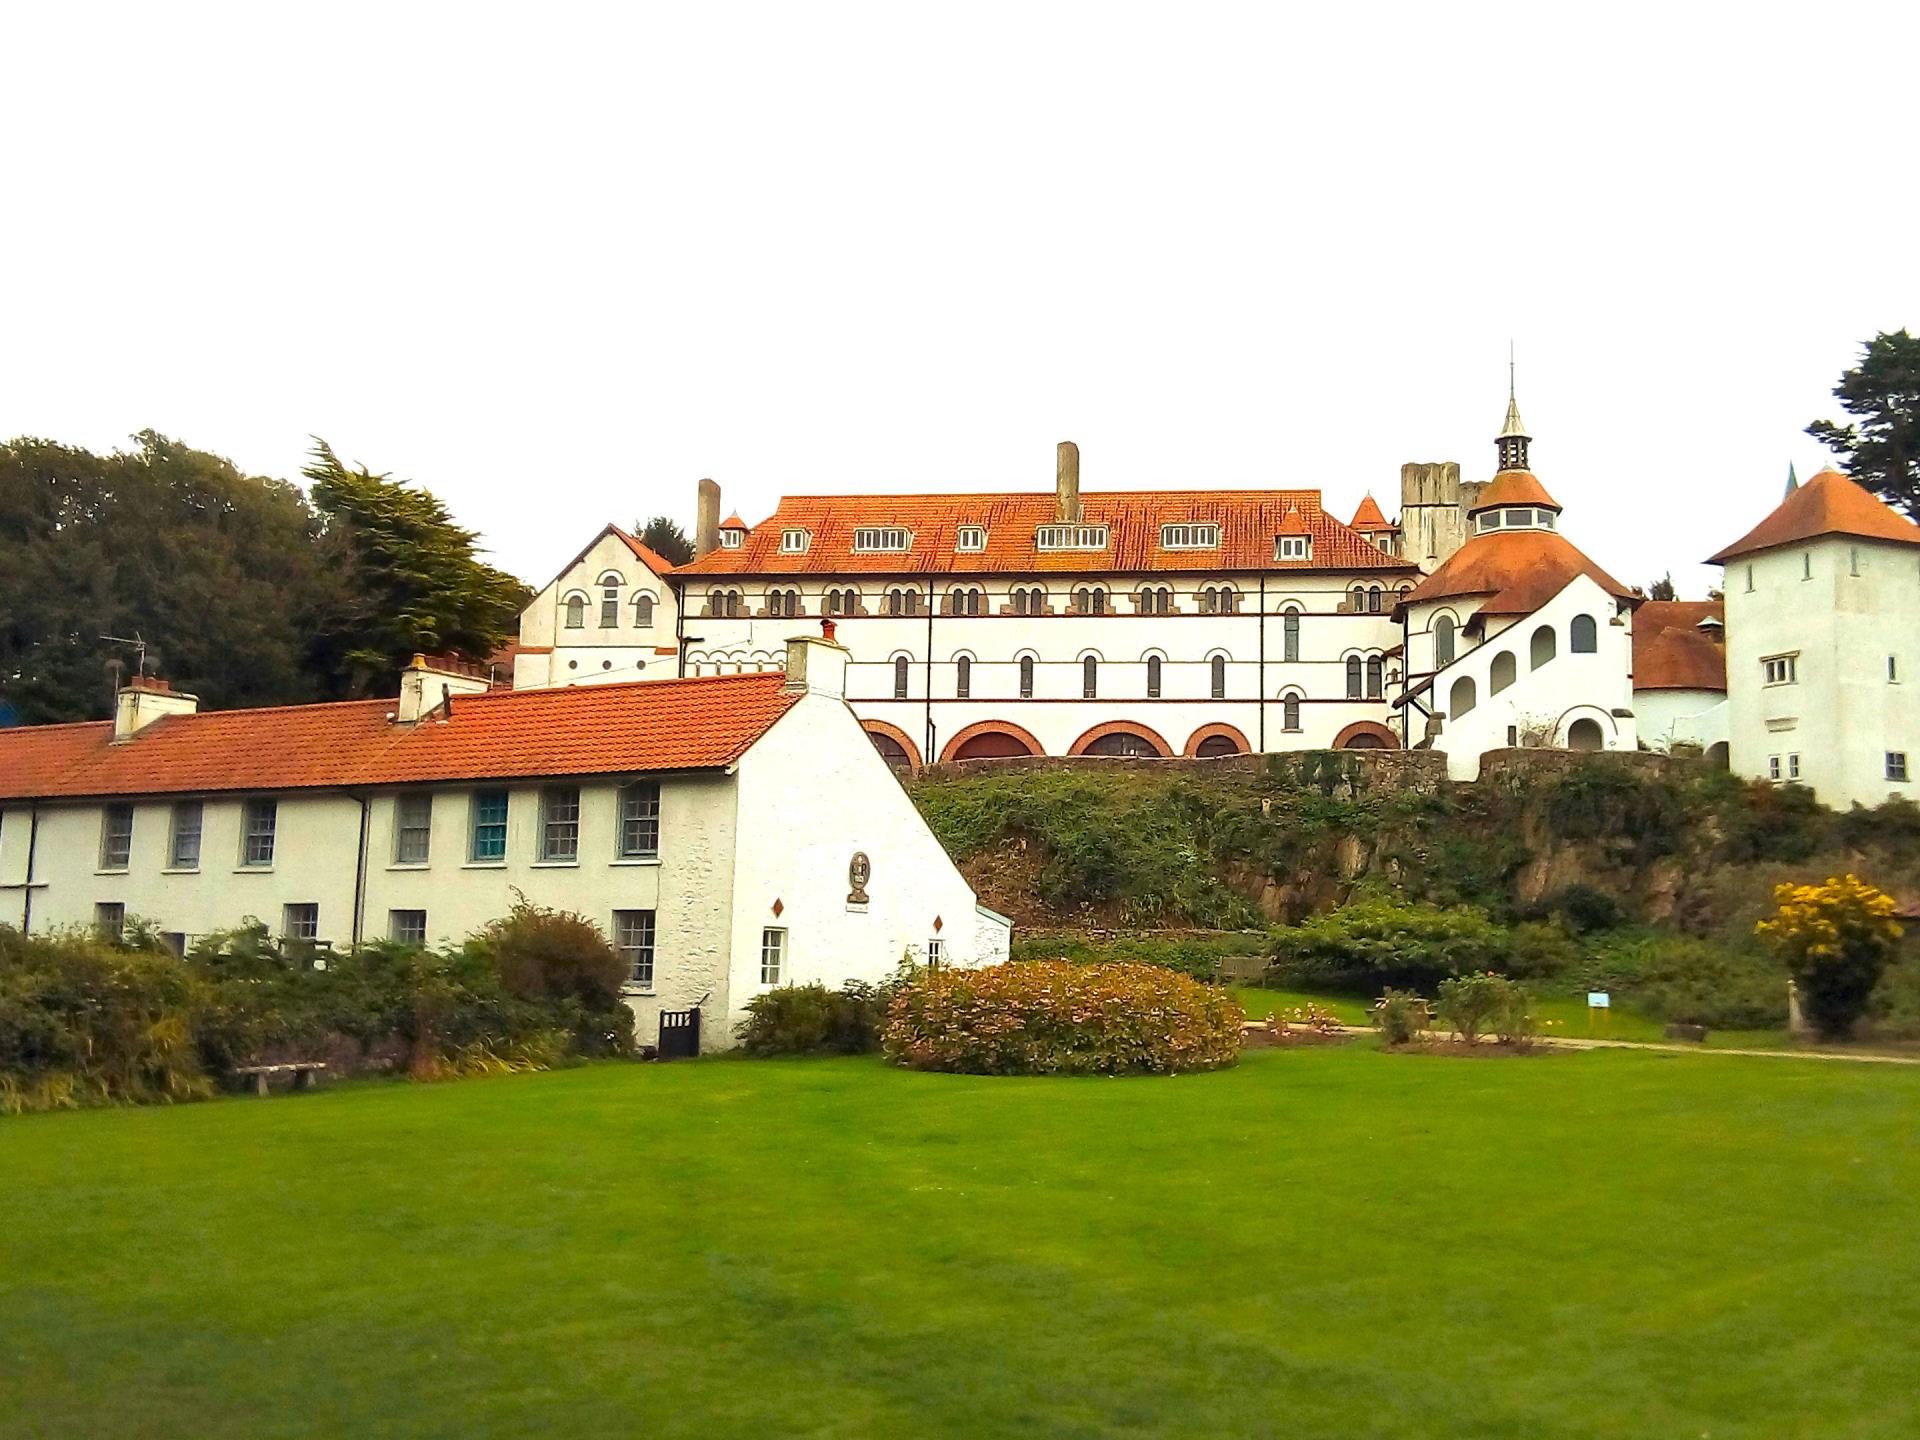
(1248, 521)
(647, 555)
(1368, 516)
(1828, 504)
(1670, 649)
(733, 522)
(1513, 487)
(1517, 570)
(641, 726)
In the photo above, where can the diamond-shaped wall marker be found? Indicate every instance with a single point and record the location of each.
(778, 908)
(938, 924)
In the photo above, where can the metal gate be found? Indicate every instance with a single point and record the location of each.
(679, 1034)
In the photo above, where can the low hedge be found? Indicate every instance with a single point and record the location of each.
(1053, 1017)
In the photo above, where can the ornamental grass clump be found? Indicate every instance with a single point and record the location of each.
(1834, 939)
(1053, 1017)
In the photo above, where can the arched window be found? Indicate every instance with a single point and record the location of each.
(1218, 600)
(1217, 676)
(1290, 636)
(1443, 641)
(903, 602)
(1353, 677)
(1290, 712)
(734, 604)
(963, 677)
(1376, 677)
(642, 611)
(1543, 647)
(783, 603)
(1503, 672)
(1029, 602)
(1156, 600)
(1583, 635)
(900, 677)
(610, 601)
(1462, 698)
(576, 612)
(1089, 678)
(1358, 600)
(1090, 600)
(1026, 677)
(1153, 677)
(964, 601)
(1373, 599)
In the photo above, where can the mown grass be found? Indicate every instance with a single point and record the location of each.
(1336, 1242)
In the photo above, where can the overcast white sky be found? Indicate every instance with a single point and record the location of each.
(556, 263)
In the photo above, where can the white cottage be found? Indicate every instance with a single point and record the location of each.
(729, 834)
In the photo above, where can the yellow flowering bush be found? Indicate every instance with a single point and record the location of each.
(1053, 1017)
(1834, 939)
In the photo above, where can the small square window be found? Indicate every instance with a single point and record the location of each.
(110, 920)
(970, 539)
(407, 927)
(1793, 766)
(794, 542)
(773, 956)
(1773, 767)
(1896, 765)
(633, 938)
(1294, 547)
(1781, 669)
(300, 923)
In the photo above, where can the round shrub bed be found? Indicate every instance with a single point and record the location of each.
(1053, 1017)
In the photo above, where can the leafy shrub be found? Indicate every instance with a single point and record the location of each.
(545, 954)
(1835, 939)
(813, 1020)
(1195, 955)
(1401, 1017)
(1641, 815)
(1689, 981)
(1514, 1022)
(1384, 943)
(85, 1022)
(1468, 1004)
(1895, 1008)
(1052, 1017)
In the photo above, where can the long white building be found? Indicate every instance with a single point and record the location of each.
(728, 834)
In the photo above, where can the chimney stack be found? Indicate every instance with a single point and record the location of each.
(1066, 483)
(706, 520)
(816, 665)
(145, 699)
(425, 685)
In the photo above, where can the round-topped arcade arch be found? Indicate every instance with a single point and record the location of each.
(1211, 740)
(1366, 735)
(991, 740)
(896, 747)
(1121, 737)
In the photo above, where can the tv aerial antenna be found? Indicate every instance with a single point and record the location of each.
(137, 644)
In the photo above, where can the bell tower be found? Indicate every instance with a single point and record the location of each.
(1513, 438)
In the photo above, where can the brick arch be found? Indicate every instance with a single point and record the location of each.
(1217, 732)
(1373, 729)
(899, 737)
(1121, 727)
(991, 727)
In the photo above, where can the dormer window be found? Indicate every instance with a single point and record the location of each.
(882, 538)
(794, 542)
(1070, 537)
(1514, 517)
(970, 539)
(732, 539)
(1293, 547)
(1189, 537)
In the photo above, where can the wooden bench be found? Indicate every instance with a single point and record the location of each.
(304, 1073)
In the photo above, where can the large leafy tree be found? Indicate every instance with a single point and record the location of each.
(214, 569)
(1881, 448)
(407, 579)
(666, 539)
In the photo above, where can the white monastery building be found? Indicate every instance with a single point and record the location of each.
(728, 834)
(1174, 622)
(1822, 616)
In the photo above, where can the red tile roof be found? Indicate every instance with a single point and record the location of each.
(1518, 570)
(1368, 516)
(1513, 487)
(1248, 521)
(1672, 652)
(655, 725)
(1828, 504)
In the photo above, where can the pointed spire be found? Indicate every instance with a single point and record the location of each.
(1513, 437)
(1793, 480)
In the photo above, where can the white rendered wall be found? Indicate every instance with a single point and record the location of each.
(812, 793)
(594, 654)
(1666, 718)
(1551, 699)
(1841, 607)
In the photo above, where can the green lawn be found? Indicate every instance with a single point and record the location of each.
(1327, 1242)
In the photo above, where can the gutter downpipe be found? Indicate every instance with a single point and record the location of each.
(26, 890)
(360, 872)
(926, 740)
(1262, 672)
